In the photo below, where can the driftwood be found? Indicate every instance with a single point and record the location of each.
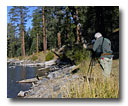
(49, 63)
(57, 53)
(40, 78)
(30, 80)
(74, 68)
(44, 69)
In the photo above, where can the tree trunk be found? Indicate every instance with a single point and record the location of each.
(67, 22)
(44, 35)
(11, 51)
(59, 39)
(77, 28)
(37, 43)
(22, 32)
(78, 33)
(23, 43)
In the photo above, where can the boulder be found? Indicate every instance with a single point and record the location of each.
(22, 93)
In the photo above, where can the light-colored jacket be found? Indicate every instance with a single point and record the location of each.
(102, 46)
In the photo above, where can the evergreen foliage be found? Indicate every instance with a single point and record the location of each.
(61, 28)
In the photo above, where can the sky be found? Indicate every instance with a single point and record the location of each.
(29, 22)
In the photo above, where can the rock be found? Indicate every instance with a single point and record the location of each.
(53, 75)
(40, 64)
(44, 80)
(22, 93)
(56, 88)
(41, 81)
(75, 76)
(59, 95)
(12, 66)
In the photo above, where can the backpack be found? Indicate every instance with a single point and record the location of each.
(106, 46)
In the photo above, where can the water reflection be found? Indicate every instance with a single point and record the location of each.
(16, 74)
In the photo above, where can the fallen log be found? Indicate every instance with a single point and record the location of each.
(44, 69)
(57, 53)
(30, 80)
(62, 48)
(74, 68)
(49, 63)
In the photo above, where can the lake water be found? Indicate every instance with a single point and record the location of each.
(16, 74)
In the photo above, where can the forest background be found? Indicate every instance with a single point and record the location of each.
(32, 29)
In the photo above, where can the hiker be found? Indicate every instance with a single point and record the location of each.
(102, 49)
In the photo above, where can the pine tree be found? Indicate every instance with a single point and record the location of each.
(44, 31)
(11, 40)
(59, 14)
(37, 24)
(19, 17)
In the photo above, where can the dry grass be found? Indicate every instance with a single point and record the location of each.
(94, 87)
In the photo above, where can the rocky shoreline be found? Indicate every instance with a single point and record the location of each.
(51, 88)
(52, 85)
(30, 63)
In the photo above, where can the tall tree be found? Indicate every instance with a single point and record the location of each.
(11, 40)
(36, 22)
(19, 17)
(44, 31)
(60, 14)
(53, 27)
(67, 22)
(22, 30)
(75, 16)
(78, 25)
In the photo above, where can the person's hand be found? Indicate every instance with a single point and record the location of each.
(84, 46)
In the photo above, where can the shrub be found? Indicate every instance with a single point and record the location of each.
(49, 56)
(34, 57)
(76, 53)
(20, 57)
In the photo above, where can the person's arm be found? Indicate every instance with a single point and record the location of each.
(96, 45)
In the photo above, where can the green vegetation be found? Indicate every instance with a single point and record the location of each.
(34, 57)
(61, 27)
(49, 56)
(20, 57)
(76, 53)
(55, 26)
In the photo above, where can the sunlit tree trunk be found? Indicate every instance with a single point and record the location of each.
(77, 28)
(37, 43)
(22, 32)
(59, 33)
(11, 52)
(44, 34)
(67, 22)
(59, 39)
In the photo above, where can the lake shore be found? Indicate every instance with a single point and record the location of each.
(62, 82)
(78, 85)
(52, 83)
(52, 88)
